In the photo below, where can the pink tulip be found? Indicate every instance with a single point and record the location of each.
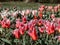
(27, 12)
(56, 8)
(52, 16)
(41, 29)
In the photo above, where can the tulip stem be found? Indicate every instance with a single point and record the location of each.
(31, 41)
(23, 39)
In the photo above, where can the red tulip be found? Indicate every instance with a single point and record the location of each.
(50, 31)
(17, 24)
(40, 22)
(34, 22)
(31, 28)
(46, 23)
(24, 19)
(26, 26)
(42, 6)
(35, 17)
(21, 30)
(50, 28)
(33, 34)
(31, 24)
(5, 23)
(40, 15)
(3, 26)
(16, 33)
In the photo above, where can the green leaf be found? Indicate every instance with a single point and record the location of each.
(5, 40)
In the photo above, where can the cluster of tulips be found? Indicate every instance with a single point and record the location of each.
(30, 27)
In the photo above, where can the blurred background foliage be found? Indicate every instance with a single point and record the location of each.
(41, 1)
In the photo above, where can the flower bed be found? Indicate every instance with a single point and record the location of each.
(30, 27)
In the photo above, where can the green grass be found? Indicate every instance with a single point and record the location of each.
(22, 5)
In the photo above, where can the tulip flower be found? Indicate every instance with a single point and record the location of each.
(5, 23)
(23, 12)
(17, 23)
(40, 15)
(58, 20)
(52, 16)
(33, 34)
(16, 33)
(26, 26)
(35, 17)
(34, 12)
(27, 12)
(56, 8)
(30, 26)
(34, 22)
(50, 28)
(41, 29)
(41, 10)
(40, 22)
(24, 19)
(50, 7)
(42, 6)
(14, 14)
(21, 30)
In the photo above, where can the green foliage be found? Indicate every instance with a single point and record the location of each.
(43, 1)
(48, 1)
(5, 40)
